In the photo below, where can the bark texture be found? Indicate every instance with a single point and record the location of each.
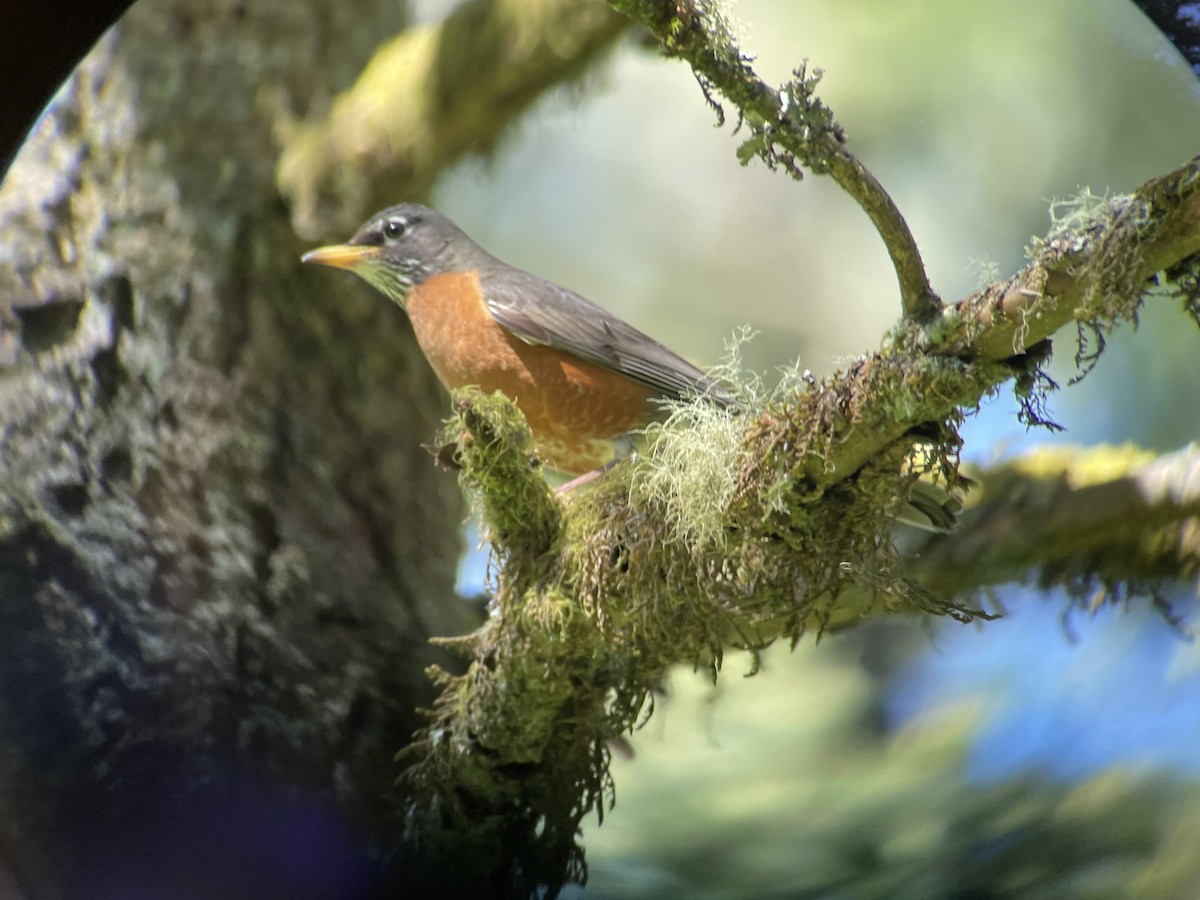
(222, 548)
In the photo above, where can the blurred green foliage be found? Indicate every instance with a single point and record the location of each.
(784, 785)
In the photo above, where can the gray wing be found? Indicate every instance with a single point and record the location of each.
(569, 322)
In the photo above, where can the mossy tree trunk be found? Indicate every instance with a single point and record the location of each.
(222, 549)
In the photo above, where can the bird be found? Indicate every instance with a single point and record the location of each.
(584, 378)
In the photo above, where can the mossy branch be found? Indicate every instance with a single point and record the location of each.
(597, 594)
(429, 96)
(1087, 519)
(789, 126)
(1094, 268)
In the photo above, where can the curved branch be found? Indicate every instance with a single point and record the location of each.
(1094, 268)
(789, 127)
(919, 301)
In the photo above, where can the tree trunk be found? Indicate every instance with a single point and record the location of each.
(222, 549)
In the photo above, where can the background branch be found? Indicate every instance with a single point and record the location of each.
(429, 96)
(1076, 517)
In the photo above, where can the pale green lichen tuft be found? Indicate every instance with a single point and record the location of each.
(1083, 231)
(695, 453)
(691, 471)
(1074, 218)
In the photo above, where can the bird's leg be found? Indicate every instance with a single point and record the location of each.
(586, 477)
(622, 447)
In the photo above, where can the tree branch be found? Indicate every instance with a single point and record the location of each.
(1081, 518)
(1094, 267)
(619, 587)
(429, 96)
(789, 126)
(595, 600)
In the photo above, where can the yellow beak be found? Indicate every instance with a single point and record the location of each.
(341, 256)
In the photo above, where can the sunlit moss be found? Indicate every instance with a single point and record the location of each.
(694, 455)
(1090, 226)
(490, 442)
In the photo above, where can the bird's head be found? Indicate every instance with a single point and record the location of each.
(399, 248)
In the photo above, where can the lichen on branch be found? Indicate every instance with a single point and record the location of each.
(597, 593)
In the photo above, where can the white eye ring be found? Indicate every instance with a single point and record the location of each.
(394, 229)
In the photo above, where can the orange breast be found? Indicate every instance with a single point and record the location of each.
(575, 408)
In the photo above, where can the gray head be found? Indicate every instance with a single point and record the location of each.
(401, 247)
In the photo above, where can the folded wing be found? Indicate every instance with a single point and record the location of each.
(577, 326)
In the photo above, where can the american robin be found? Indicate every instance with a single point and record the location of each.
(583, 378)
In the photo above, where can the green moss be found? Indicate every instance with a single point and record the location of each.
(499, 467)
(1093, 234)
(734, 531)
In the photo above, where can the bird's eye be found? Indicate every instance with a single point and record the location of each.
(393, 229)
